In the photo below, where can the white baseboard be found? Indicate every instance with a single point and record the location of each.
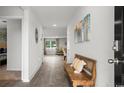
(26, 80)
(35, 71)
(13, 69)
(104, 84)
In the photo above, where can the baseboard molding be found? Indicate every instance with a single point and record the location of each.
(110, 84)
(25, 80)
(13, 69)
(104, 84)
(35, 71)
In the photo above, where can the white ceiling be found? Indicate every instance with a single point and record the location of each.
(59, 15)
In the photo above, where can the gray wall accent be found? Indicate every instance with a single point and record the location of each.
(14, 44)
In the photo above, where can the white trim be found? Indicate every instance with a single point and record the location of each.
(34, 72)
(13, 69)
(25, 47)
(104, 84)
(25, 80)
(11, 17)
(56, 37)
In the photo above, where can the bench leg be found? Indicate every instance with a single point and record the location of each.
(74, 85)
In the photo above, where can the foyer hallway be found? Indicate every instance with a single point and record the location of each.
(51, 74)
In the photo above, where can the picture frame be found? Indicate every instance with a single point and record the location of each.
(86, 27)
(82, 29)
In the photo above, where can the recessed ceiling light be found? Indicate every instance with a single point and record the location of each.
(54, 25)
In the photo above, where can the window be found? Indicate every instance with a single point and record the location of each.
(53, 44)
(50, 44)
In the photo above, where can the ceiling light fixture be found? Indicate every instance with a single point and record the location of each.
(54, 25)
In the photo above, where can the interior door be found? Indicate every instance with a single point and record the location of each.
(118, 46)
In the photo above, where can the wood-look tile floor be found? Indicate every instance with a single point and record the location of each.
(9, 75)
(51, 74)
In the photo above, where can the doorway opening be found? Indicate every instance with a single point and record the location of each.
(10, 49)
(55, 46)
(3, 44)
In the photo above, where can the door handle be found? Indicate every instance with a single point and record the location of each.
(110, 61)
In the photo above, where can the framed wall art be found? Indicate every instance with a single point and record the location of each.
(86, 25)
(82, 29)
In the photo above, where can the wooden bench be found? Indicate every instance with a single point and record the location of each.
(88, 75)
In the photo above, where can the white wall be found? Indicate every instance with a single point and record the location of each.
(14, 44)
(25, 46)
(100, 45)
(32, 52)
(62, 42)
(35, 49)
(55, 33)
(50, 39)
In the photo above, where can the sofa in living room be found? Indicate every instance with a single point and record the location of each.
(59, 51)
